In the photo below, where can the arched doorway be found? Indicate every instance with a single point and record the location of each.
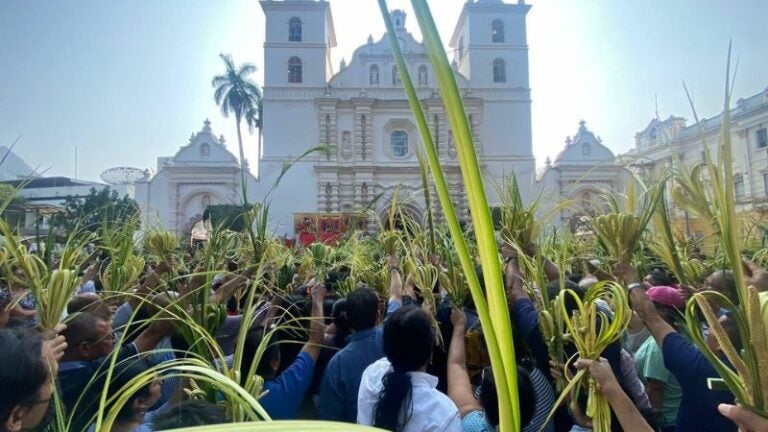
(402, 217)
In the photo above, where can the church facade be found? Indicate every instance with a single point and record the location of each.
(202, 173)
(571, 186)
(361, 111)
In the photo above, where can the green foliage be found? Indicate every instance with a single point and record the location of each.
(236, 94)
(227, 216)
(9, 193)
(90, 212)
(492, 310)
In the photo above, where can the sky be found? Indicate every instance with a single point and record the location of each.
(125, 82)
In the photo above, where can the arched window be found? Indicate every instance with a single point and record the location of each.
(294, 30)
(373, 75)
(423, 75)
(294, 70)
(399, 143)
(395, 76)
(497, 31)
(499, 71)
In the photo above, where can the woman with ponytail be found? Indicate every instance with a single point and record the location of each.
(396, 393)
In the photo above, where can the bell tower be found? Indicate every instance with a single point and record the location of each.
(490, 43)
(297, 47)
(491, 50)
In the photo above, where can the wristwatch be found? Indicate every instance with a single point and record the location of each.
(634, 285)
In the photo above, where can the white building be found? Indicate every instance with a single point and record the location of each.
(363, 111)
(665, 142)
(202, 173)
(583, 170)
(44, 196)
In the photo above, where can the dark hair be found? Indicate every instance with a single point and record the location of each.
(489, 399)
(732, 331)
(79, 303)
(87, 303)
(661, 278)
(253, 339)
(189, 413)
(553, 288)
(670, 314)
(22, 369)
(122, 374)
(362, 308)
(408, 340)
(341, 320)
(80, 328)
(726, 284)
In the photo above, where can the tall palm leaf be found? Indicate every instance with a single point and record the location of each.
(235, 93)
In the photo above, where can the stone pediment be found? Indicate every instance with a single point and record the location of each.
(204, 149)
(584, 149)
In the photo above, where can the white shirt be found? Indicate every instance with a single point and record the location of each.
(432, 410)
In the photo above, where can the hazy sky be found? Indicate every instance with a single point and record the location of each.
(128, 81)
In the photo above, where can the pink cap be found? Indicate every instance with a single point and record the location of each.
(666, 295)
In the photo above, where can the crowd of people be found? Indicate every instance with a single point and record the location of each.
(396, 363)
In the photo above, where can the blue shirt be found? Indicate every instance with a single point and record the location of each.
(287, 391)
(698, 406)
(341, 381)
(80, 385)
(525, 318)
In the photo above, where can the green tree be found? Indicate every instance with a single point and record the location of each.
(235, 93)
(9, 194)
(96, 208)
(10, 202)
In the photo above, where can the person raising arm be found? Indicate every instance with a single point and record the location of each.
(628, 415)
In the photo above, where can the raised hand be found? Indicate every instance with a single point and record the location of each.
(755, 275)
(458, 318)
(600, 371)
(54, 343)
(744, 418)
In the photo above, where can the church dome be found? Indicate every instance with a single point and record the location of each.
(584, 148)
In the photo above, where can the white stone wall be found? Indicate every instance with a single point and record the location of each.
(300, 116)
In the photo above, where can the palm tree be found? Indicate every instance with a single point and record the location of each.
(254, 119)
(236, 93)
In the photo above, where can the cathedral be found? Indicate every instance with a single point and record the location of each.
(360, 111)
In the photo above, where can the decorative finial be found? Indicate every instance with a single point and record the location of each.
(221, 139)
(207, 125)
(581, 124)
(398, 17)
(191, 137)
(343, 64)
(568, 140)
(548, 162)
(370, 39)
